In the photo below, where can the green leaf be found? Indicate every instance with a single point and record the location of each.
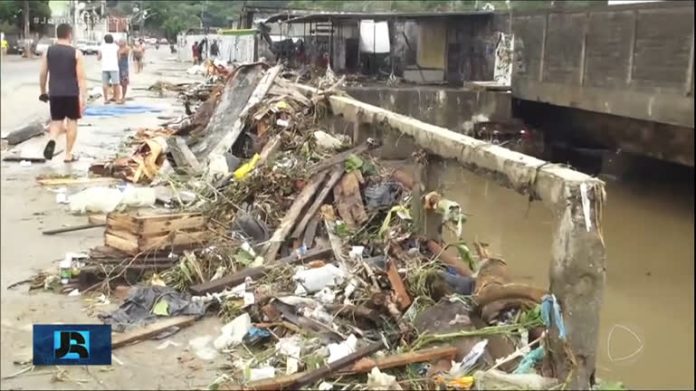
(161, 308)
(610, 386)
(353, 163)
(465, 255)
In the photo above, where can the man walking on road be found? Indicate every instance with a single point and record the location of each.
(108, 55)
(67, 90)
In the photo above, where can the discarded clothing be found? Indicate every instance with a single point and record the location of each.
(459, 284)
(138, 308)
(119, 110)
(379, 195)
(252, 229)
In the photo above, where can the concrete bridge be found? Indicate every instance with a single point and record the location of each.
(628, 68)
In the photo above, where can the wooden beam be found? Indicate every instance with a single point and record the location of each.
(318, 201)
(256, 272)
(183, 157)
(281, 233)
(151, 330)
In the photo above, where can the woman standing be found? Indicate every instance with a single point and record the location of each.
(123, 52)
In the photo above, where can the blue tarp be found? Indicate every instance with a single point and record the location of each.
(115, 110)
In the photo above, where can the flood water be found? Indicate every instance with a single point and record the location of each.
(647, 320)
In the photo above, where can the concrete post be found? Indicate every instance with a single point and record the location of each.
(577, 277)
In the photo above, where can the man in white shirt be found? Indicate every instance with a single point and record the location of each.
(108, 55)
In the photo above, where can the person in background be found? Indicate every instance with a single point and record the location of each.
(138, 54)
(123, 53)
(202, 46)
(108, 55)
(67, 90)
(194, 51)
(214, 50)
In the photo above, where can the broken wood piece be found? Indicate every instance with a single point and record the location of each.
(34, 129)
(290, 218)
(448, 259)
(335, 176)
(322, 372)
(256, 272)
(348, 200)
(269, 150)
(311, 231)
(232, 134)
(73, 228)
(150, 330)
(400, 360)
(403, 300)
(339, 158)
(184, 159)
(355, 311)
(23, 158)
(76, 181)
(97, 219)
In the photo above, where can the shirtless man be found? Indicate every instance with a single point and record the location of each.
(138, 53)
(123, 53)
(67, 90)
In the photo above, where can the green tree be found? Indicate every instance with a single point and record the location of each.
(12, 14)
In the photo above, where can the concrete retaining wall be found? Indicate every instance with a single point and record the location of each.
(449, 108)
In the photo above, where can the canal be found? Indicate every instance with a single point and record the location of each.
(647, 319)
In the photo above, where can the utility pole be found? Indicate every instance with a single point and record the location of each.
(27, 31)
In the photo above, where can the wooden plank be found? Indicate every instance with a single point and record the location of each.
(239, 277)
(318, 201)
(153, 227)
(341, 157)
(178, 239)
(322, 372)
(120, 244)
(76, 181)
(399, 360)
(122, 234)
(14, 158)
(290, 218)
(183, 157)
(34, 129)
(149, 331)
(72, 229)
(97, 219)
(403, 300)
(348, 200)
(118, 221)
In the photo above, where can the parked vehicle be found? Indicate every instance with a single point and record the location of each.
(164, 41)
(43, 45)
(88, 47)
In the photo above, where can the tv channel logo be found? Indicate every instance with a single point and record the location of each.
(77, 344)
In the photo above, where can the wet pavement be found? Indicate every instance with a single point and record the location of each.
(27, 209)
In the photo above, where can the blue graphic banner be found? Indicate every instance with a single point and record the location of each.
(72, 344)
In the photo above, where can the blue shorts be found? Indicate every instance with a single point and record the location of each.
(110, 78)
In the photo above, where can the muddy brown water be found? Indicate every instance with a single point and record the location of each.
(647, 335)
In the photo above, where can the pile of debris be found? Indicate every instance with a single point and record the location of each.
(311, 250)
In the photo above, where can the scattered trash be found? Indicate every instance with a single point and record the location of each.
(261, 373)
(339, 350)
(202, 348)
(144, 303)
(233, 333)
(377, 380)
(25, 163)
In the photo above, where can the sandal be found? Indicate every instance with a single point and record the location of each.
(74, 159)
(49, 149)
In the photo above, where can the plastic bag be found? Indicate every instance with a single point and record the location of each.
(96, 200)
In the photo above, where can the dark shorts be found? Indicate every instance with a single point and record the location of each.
(63, 107)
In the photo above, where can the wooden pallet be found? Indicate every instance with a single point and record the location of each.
(135, 234)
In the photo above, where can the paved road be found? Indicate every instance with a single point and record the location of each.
(20, 89)
(27, 209)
